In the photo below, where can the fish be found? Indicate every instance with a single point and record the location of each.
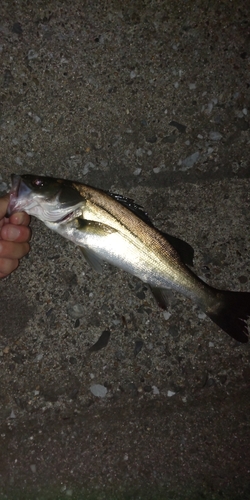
(109, 227)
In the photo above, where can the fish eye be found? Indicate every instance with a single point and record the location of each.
(37, 183)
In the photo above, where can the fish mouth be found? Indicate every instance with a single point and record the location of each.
(13, 194)
(19, 195)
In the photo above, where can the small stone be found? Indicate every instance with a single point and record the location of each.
(201, 315)
(69, 493)
(192, 86)
(188, 162)
(12, 415)
(32, 54)
(156, 170)
(155, 390)
(166, 315)
(33, 468)
(87, 167)
(98, 390)
(140, 152)
(210, 344)
(39, 357)
(104, 163)
(37, 119)
(137, 171)
(76, 311)
(18, 161)
(116, 322)
(170, 394)
(209, 108)
(215, 136)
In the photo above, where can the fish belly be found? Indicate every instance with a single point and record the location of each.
(130, 256)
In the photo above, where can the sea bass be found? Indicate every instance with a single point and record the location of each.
(109, 227)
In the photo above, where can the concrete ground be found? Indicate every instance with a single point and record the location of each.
(149, 99)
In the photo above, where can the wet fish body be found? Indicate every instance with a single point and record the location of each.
(108, 227)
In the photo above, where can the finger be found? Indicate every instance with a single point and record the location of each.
(4, 201)
(12, 250)
(20, 218)
(9, 232)
(7, 266)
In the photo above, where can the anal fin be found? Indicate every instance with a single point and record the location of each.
(161, 296)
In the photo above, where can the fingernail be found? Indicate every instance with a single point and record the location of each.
(17, 218)
(13, 233)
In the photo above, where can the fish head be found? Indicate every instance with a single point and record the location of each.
(47, 198)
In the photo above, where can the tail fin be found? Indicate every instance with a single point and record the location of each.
(232, 313)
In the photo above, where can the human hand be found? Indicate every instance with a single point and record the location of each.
(14, 237)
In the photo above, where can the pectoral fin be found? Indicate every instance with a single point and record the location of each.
(91, 258)
(93, 228)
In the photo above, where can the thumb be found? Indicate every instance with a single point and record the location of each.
(3, 205)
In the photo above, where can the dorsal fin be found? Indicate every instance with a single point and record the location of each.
(185, 251)
(132, 206)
